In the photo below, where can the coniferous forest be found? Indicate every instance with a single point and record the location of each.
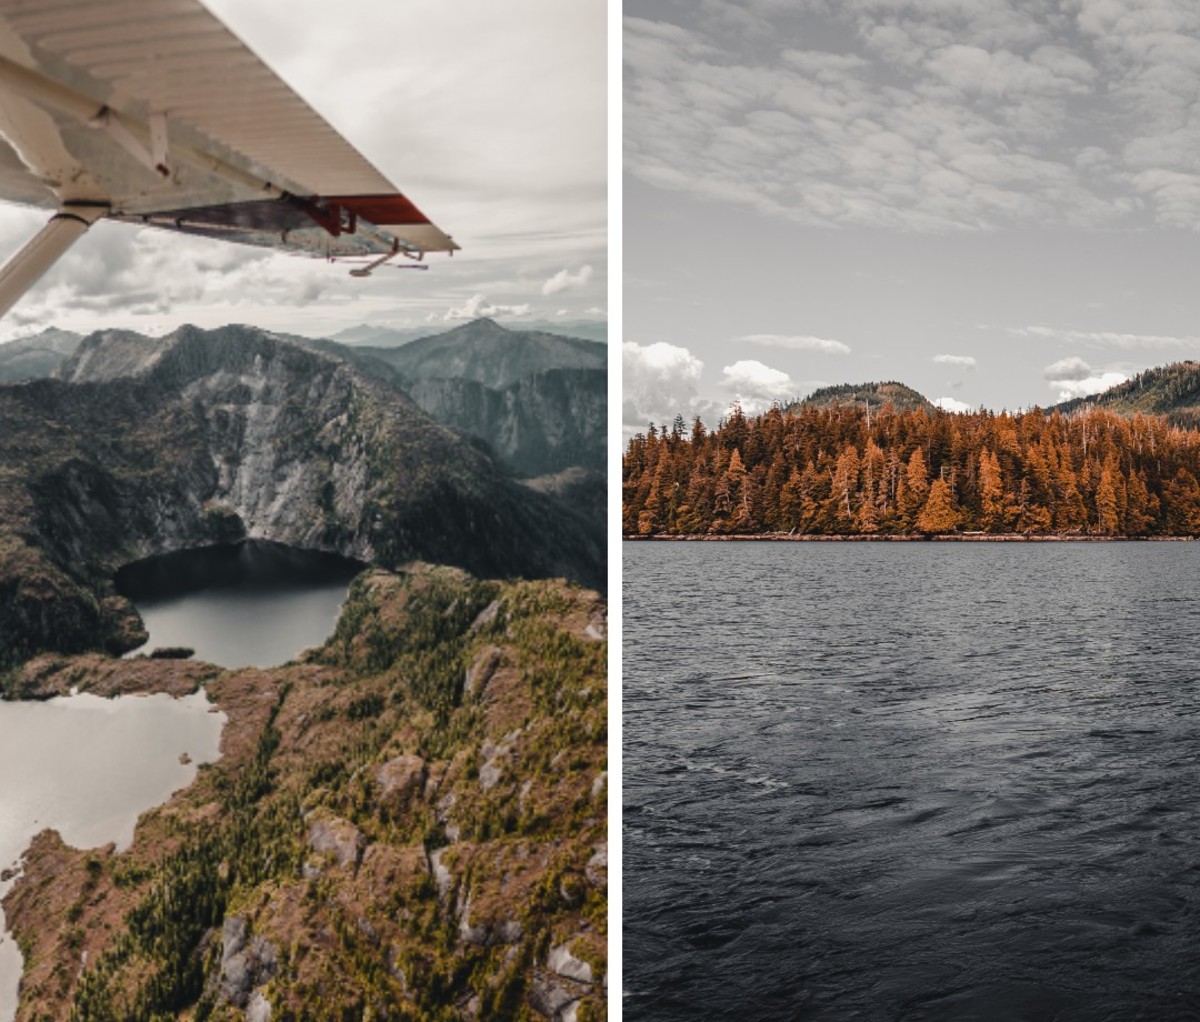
(844, 471)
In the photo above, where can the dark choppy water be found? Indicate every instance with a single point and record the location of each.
(248, 604)
(912, 781)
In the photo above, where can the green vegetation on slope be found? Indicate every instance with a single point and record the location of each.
(409, 824)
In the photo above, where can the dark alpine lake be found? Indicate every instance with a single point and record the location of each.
(912, 781)
(248, 604)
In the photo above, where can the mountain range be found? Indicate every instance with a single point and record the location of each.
(538, 399)
(390, 337)
(143, 445)
(406, 822)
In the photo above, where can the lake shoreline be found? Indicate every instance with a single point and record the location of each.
(38, 842)
(951, 537)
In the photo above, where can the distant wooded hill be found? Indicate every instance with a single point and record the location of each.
(867, 395)
(826, 471)
(1172, 390)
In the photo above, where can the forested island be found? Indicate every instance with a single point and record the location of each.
(852, 470)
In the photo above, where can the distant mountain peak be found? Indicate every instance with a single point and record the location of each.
(484, 328)
(34, 355)
(375, 335)
(487, 352)
(485, 321)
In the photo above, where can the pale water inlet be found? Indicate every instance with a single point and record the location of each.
(88, 767)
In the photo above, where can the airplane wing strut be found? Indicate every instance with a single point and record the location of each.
(50, 244)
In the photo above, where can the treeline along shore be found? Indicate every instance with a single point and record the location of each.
(846, 472)
(913, 537)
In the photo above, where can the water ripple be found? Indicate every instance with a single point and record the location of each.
(911, 782)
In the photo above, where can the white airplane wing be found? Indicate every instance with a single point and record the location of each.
(152, 112)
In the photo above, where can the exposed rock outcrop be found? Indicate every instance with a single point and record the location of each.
(339, 839)
(400, 779)
(247, 963)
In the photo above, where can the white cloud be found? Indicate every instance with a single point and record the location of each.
(754, 375)
(1068, 389)
(564, 280)
(1073, 368)
(963, 361)
(755, 385)
(1107, 338)
(660, 381)
(796, 343)
(950, 404)
(1073, 377)
(478, 305)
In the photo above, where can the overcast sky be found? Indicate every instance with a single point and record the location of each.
(993, 201)
(490, 117)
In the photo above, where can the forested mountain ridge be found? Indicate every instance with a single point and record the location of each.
(537, 398)
(1170, 390)
(825, 471)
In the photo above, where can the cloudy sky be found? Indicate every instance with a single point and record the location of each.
(994, 201)
(491, 117)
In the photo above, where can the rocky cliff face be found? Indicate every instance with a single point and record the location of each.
(538, 399)
(211, 436)
(540, 424)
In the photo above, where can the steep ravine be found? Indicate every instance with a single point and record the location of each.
(212, 436)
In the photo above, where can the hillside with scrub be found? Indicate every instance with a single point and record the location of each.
(408, 823)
